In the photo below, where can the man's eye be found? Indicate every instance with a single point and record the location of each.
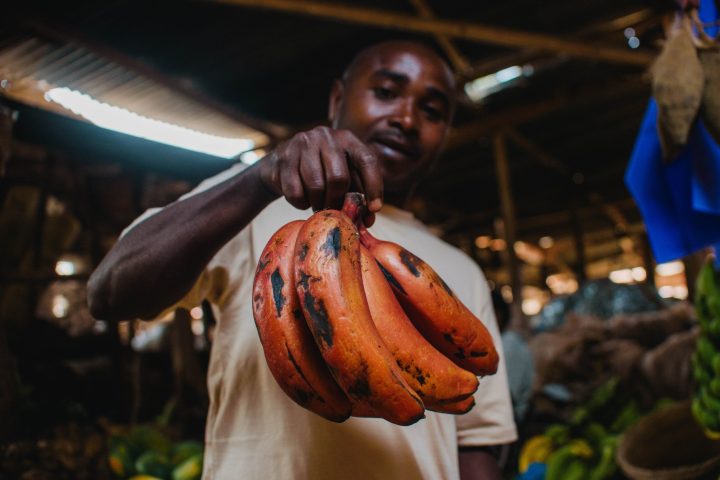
(433, 113)
(383, 93)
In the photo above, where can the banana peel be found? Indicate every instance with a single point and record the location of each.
(571, 462)
(707, 282)
(706, 359)
(607, 466)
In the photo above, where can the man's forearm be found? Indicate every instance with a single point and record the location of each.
(478, 464)
(159, 260)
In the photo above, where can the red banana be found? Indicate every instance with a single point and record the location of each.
(458, 408)
(430, 373)
(431, 305)
(329, 285)
(290, 351)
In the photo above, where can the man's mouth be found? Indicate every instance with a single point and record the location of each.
(396, 149)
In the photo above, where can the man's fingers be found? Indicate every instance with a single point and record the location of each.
(316, 168)
(313, 179)
(291, 185)
(366, 164)
(337, 177)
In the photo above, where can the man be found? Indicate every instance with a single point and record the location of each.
(389, 114)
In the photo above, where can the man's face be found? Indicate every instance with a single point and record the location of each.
(398, 99)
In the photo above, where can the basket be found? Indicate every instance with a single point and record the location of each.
(668, 445)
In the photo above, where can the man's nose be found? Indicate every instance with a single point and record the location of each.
(405, 117)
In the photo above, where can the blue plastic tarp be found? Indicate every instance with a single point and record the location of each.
(679, 201)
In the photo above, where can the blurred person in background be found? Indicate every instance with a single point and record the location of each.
(518, 358)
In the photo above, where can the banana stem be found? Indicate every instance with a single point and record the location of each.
(355, 207)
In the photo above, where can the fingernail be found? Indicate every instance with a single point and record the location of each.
(375, 205)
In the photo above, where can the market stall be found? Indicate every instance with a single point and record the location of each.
(581, 175)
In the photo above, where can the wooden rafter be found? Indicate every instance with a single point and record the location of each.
(526, 113)
(512, 116)
(542, 157)
(640, 20)
(458, 60)
(464, 30)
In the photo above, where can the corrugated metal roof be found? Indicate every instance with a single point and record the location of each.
(31, 66)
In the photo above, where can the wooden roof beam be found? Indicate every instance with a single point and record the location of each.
(511, 117)
(614, 214)
(641, 19)
(463, 30)
(458, 60)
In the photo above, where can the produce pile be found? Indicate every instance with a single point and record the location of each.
(649, 351)
(706, 359)
(355, 326)
(70, 450)
(146, 453)
(583, 448)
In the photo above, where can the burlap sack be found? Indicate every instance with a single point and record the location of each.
(677, 85)
(667, 369)
(650, 329)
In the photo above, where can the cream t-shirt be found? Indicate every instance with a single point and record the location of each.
(254, 431)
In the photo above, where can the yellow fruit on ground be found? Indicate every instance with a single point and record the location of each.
(536, 449)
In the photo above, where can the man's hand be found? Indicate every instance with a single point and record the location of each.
(316, 168)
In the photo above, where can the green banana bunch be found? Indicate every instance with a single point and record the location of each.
(706, 359)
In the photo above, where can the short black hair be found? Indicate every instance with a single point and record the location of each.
(418, 42)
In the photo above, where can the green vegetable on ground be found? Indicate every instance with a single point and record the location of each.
(154, 464)
(190, 469)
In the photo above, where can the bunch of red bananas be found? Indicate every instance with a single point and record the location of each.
(352, 325)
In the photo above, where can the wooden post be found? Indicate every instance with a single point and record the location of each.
(186, 366)
(507, 207)
(8, 373)
(648, 259)
(7, 118)
(580, 261)
(8, 388)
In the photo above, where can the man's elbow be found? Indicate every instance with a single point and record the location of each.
(107, 301)
(101, 299)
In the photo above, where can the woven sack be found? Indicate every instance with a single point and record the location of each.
(677, 85)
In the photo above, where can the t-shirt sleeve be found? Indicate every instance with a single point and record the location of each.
(214, 281)
(491, 421)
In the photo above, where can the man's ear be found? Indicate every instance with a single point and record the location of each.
(336, 97)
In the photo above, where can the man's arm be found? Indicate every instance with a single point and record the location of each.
(159, 260)
(478, 463)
